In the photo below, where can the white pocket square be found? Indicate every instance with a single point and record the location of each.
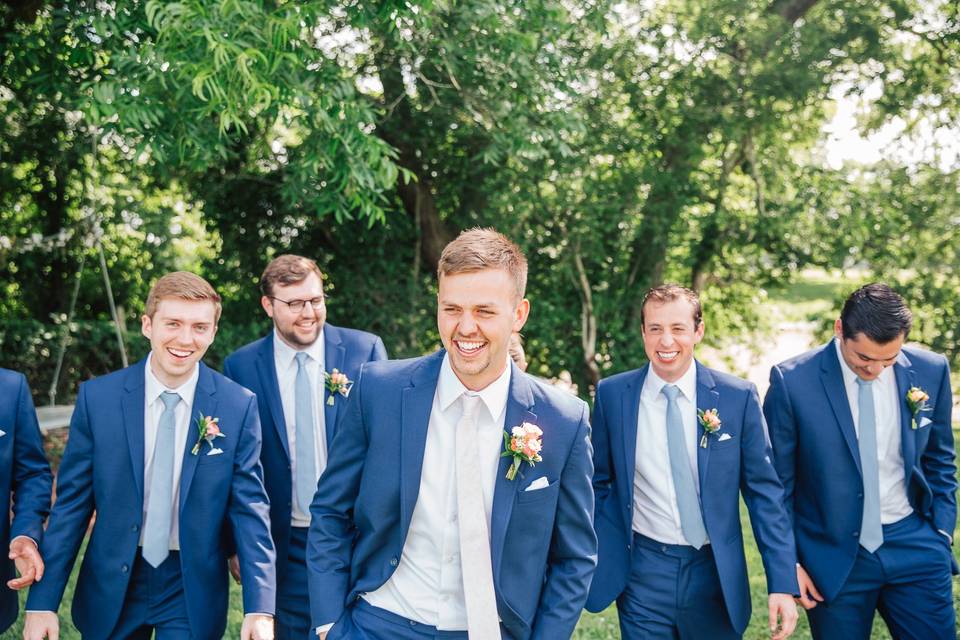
(724, 436)
(214, 452)
(924, 421)
(539, 483)
(2, 433)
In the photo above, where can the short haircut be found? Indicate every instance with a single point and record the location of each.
(286, 270)
(665, 293)
(876, 311)
(479, 249)
(185, 286)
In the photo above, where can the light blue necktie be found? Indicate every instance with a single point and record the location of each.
(691, 520)
(306, 480)
(156, 534)
(871, 531)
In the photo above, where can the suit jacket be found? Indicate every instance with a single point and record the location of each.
(254, 367)
(739, 464)
(24, 472)
(542, 542)
(811, 428)
(103, 470)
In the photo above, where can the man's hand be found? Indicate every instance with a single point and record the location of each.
(782, 608)
(26, 556)
(323, 634)
(41, 624)
(809, 596)
(233, 564)
(257, 626)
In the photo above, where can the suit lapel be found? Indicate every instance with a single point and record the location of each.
(707, 398)
(415, 410)
(629, 416)
(205, 402)
(906, 378)
(267, 370)
(836, 390)
(133, 402)
(333, 356)
(519, 410)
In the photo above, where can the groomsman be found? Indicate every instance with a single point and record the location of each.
(294, 372)
(24, 476)
(863, 444)
(164, 451)
(420, 528)
(676, 444)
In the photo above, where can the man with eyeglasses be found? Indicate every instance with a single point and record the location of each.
(301, 372)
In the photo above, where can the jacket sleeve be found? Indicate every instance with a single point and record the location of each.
(32, 480)
(938, 460)
(782, 427)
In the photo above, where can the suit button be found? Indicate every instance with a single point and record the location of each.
(124, 568)
(855, 534)
(135, 528)
(394, 562)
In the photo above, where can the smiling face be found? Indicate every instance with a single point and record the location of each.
(180, 331)
(669, 337)
(477, 311)
(865, 357)
(302, 328)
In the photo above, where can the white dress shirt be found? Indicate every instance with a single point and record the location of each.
(427, 586)
(894, 505)
(655, 511)
(183, 416)
(285, 359)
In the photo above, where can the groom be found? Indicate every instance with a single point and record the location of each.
(419, 527)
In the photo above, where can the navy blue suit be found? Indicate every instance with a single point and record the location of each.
(818, 460)
(726, 468)
(254, 367)
(542, 542)
(25, 474)
(103, 470)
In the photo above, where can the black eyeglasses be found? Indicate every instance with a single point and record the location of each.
(297, 305)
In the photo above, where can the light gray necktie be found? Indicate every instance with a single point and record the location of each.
(156, 529)
(306, 461)
(871, 531)
(691, 520)
(481, 601)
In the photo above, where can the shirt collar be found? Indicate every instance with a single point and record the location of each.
(154, 387)
(494, 395)
(285, 354)
(687, 383)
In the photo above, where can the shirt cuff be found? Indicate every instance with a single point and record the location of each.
(37, 545)
(254, 613)
(949, 537)
(324, 627)
(38, 611)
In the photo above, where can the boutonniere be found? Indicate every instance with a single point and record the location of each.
(917, 401)
(523, 444)
(208, 428)
(710, 421)
(336, 382)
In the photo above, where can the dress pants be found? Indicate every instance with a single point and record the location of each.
(364, 621)
(907, 579)
(154, 603)
(673, 593)
(293, 600)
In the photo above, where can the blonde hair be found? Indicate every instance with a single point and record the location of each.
(479, 249)
(286, 270)
(185, 286)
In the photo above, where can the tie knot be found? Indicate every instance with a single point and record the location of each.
(864, 383)
(169, 399)
(301, 358)
(471, 404)
(671, 391)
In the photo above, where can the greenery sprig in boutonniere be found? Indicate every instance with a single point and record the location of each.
(208, 428)
(710, 421)
(917, 401)
(523, 444)
(336, 382)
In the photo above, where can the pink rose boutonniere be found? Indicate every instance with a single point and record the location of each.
(523, 444)
(208, 428)
(710, 421)
(917, 401)
(336, 382)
